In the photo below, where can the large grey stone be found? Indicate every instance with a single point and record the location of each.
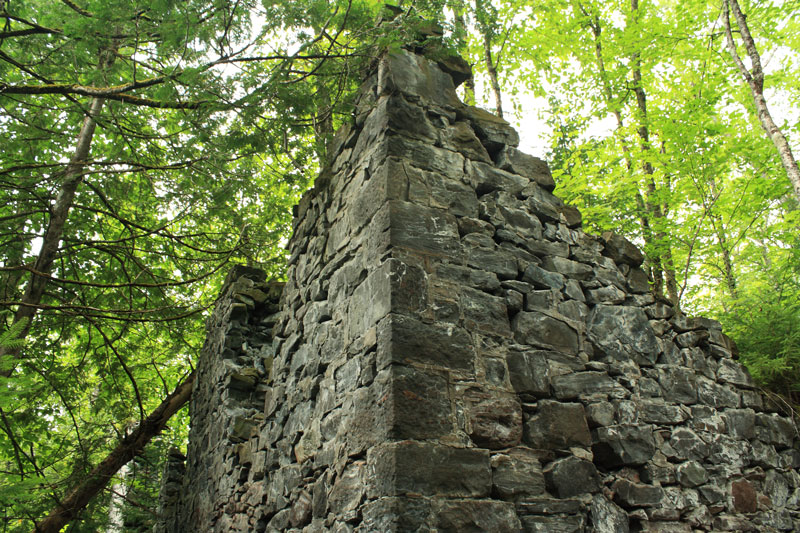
(775, 429)
(479, 279)
(455, 516)
(494, 260)
(431, 469)
(621, 250)
(623, 333)
(348, 490)
(567, 267)
(416, 76)
(554, 524)
(557, 425)
(659, 412)
(493, 131)
(688, 445)
(484, 312)
(496, 423)
(632, 494)
(424, 229)
(543, 279)
(679, 384)
(420, 404)
(395, 513)
(608, 517)
(571, 476)
(586, 384)
(691, 474)
(741, 423)
(461, 138)
(404, 339)
(435, 189)
(529, 372)
(730, 371)
(538, 329)
(394, 112)
(517, 474)
(486, 178)
(533, 168)
(623, 445)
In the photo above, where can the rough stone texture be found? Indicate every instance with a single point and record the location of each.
(452, 353)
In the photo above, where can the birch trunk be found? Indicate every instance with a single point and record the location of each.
(754, 78)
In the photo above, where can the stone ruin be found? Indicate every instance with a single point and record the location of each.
(451, 352)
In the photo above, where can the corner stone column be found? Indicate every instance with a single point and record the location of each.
(382, 360)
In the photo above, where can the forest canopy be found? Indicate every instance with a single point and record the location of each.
(147, 145)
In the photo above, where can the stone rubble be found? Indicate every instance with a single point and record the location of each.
(451, 352)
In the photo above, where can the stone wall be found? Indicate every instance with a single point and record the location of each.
(451, 352)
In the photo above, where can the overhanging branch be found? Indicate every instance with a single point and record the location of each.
(133, 444)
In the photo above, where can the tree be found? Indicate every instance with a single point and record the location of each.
(680, 167)
(754, 79)
(147, 145)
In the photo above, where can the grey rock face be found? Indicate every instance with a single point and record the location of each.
(451, 352)
(533, 168)
(571, 476)
(607, 517)
(623, 445)
(517, 474)
(558, 425)
(623, 333)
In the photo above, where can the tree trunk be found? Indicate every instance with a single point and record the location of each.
(55, 228)
(491, 68)
(662, 270)
(119, 491)
(754, 78)
(323, 122)
(461, 30)
(662, 255)
(79, 496)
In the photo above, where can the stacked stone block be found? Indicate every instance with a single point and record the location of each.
(453, 353)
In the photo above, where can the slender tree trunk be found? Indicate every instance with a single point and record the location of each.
(491, 68)
(323, 122)
(730, 277)
(662, 255)
(116, 520)
(72, 177)
(722, 239)
(670, 279)
(492, 71)
(461, 31)
(11, 278)
(79, 496)
(754, 78)
(656, 267)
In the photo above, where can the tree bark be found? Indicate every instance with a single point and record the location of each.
(646, 209)
(461, 30)
(79, 496)
(491, 67)
(492, 71)
(754, 78)
(662, 255)
(72, 177)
